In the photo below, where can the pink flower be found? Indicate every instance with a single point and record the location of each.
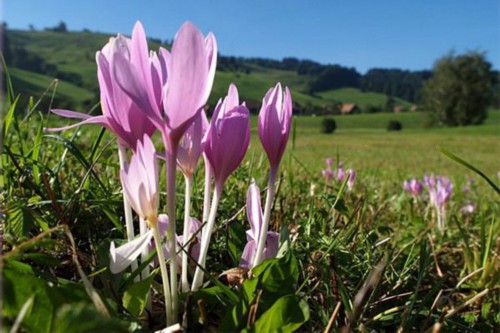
(340, 172)
(121, 114)
(413, 186)
(193, 248)
(352, 179)
(140, 181)
(328, 173)
(190, 146)
(255, 218)
(274, 123)
(228, 136)
(468, 208)
(191, 70)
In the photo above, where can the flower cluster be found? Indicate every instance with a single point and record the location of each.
(338, 175)
(145, 92)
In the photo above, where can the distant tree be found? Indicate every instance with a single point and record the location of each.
(61, 27)
(31, 27)
(460, 90)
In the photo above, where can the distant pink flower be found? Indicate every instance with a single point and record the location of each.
(190, 146)
(255, 218)
(468, 208)
(140, 181)
(352, 179)
(227, 138)
(121, 115)
(340, 172)
(274, 123)
(328, 173)
(413, 186)
(440, 190)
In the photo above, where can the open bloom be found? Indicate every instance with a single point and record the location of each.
(228, 136)
(255, 218)
(274, 123)
(191, 70)
(121, 114)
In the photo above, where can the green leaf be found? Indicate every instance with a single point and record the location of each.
(83, 317)
(469, 166)
(287, 314)
(236, 241)
(134, 298)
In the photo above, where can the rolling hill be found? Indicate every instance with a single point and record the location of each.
(70, 56)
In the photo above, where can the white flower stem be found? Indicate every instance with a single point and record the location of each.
(171, 158)
(267, 215)
(198, 275)
(129, 226)
(144, 255)
(170, 319)
(186, 232)
(208, 190)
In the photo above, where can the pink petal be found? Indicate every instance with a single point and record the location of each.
(188, 74)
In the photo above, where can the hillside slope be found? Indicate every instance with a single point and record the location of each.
(72, 56)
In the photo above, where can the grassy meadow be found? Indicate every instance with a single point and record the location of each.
(368, 259)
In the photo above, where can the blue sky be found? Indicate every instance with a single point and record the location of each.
(362, 34)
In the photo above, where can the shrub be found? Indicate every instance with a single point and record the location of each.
(394, 125)
(329, 125)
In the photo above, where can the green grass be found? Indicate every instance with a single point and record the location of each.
(32, 84)
(362, 99)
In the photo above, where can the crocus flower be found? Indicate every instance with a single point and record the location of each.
(228, 136)
(255, 218)
(191, 70)
(468, 209)
(413, 186)
(274, 123)
(340, 172)
(193, 249)
(140, 181)
(190, 146)
(140, 185)
(328, 172)
(352, 179)
(121, 115)
(440, 189)
(226, 142)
